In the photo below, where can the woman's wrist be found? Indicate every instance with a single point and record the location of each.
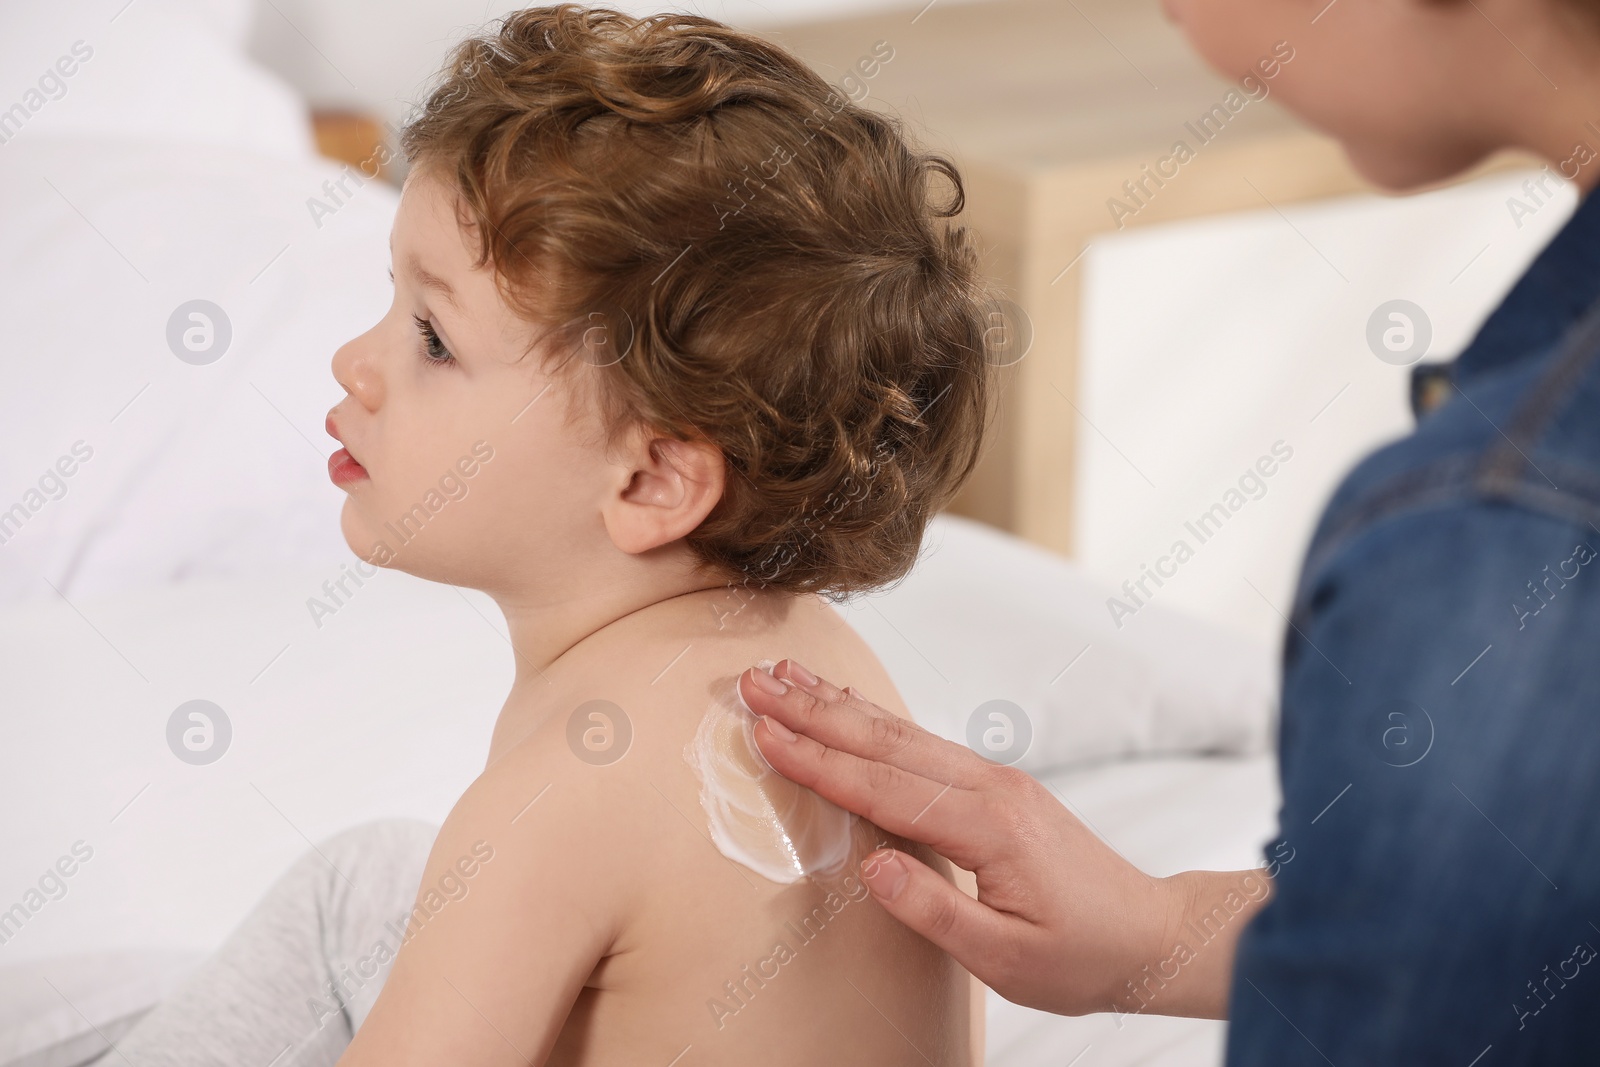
(1187, 967)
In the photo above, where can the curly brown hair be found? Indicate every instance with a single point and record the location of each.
(772, 251)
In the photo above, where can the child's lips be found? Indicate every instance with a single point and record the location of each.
(342, 466)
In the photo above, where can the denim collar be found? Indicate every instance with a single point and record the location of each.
(1562, 284)
(1547, 301)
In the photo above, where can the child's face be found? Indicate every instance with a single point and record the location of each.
(1381, 76)
(475, 473)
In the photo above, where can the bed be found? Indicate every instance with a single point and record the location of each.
(182, 560)
(384, 709)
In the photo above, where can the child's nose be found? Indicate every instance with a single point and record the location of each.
(357, 372)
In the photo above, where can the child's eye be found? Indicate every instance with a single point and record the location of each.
(433, 350)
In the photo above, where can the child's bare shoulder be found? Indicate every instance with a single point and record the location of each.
(632, 758)
(606, 749)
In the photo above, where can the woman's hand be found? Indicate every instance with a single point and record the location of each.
(1061, 922)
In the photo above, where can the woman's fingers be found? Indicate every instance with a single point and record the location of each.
(872, 734)
(793, 672)
(919, 897)
(954, 821)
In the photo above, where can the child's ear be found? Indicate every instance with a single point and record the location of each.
(668, 488)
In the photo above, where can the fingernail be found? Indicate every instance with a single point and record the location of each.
(885, 873)
(768, 684)
(780, 731)
(801, 675)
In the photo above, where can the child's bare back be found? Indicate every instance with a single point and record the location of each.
(613, 926)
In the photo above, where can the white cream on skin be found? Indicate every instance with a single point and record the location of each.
(782, 831)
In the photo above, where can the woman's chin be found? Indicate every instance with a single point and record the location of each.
(1400, 172)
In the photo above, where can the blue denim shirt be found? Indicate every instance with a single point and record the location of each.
(1440, 738)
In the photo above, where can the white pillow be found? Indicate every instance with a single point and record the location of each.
(193, 471)
(152, 70)
(988, 617)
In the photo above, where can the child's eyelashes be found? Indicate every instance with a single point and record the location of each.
(433, 350)
(434, 353)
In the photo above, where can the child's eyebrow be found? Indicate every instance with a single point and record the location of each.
(432, 281)
(428, 279)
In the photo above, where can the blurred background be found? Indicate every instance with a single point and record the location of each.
(196, 200)
(1170, 342)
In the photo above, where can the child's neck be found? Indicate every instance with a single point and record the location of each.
(564, 647)
(548, 623)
